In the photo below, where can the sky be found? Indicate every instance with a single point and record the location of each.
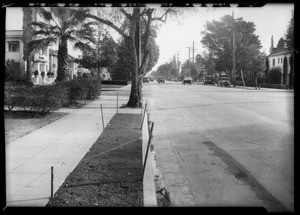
(178, 33)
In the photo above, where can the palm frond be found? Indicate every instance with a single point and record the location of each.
(83, 46)
(44, 32)
(46, 14)
(39, 24)
(40, 43)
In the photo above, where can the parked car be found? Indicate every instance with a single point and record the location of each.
(187, 80)
(224, 81)
(209, 80)
(160, 80)
(145, 80)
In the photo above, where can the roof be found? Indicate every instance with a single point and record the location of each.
(277, 51)
(14, 33)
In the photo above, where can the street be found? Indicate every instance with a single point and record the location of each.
(217, 146)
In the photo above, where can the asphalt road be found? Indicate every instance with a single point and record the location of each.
(224, 146)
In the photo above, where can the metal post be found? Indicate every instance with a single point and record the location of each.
(143, 115)
(149, 141)
(51, 182)
(117, 101)
(233, 48)
(102, 116)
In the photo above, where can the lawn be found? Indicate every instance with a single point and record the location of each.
(18, 123)
(107, 176)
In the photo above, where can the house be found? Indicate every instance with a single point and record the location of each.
(14, 47)
(276, 59)
(53, 62)
(105, 75)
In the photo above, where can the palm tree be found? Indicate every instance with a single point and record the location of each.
(27, 35)
(60, 26)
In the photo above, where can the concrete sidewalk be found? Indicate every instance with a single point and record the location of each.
(61, 144)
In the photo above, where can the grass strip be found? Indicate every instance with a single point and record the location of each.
(111, 179)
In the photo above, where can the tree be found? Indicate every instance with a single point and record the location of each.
(285, 69)
(289, 37)
(289, 40)
(27, 36)
(104, 56)
(153, 50)
(62, 25)
(123, 66)
(280, 44)
(275, 75)
(218, 38)
(132, 17)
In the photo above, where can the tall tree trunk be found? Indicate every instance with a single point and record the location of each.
(134, 94)
(62, 69)
(27, 36)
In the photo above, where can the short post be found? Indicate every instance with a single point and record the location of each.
(143, 116)
(149, 141)
(51, 182)
(102, 116)
(117, 101)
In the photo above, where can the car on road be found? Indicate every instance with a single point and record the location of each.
(209, 80)
(160, 80)
(224, 81)
(145, 80)
(187, 80)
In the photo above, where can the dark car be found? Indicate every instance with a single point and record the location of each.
(187, 80)
(145, 80)
(209, 80)
(160, 80)
(224, 81)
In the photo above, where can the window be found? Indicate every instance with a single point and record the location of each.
(273, 62)
(13, 46)
(281, 60)
(278, 60)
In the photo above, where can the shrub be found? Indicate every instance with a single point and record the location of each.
(275, 75)
(12, 70)
(43, 74)
(87, 75)
(36, 72)
(45, 99)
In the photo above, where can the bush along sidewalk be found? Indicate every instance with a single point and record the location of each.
(110, 174)
(44, 99)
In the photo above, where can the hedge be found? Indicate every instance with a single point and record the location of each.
(114, 82)
(47, 98)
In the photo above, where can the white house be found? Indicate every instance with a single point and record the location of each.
(14, 47)
(276, 59)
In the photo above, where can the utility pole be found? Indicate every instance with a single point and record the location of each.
(98, 69)
(189, 58)
(193, 51)
(178, 62)
(233, 48)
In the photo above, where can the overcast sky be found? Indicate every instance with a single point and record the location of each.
(272, 19)
(177, 34)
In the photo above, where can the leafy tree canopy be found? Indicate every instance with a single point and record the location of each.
(217, 37)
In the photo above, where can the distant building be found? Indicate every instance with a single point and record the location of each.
(53, 62)
(276, 59)
(14, 47)
(105, 75)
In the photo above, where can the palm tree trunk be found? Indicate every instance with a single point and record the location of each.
(62, 69)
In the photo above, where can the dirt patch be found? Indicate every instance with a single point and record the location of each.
(110, 174)
(19, 123)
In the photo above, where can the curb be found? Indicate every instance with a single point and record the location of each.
(149, 190)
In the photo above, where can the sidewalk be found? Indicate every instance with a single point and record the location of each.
(61, 144)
